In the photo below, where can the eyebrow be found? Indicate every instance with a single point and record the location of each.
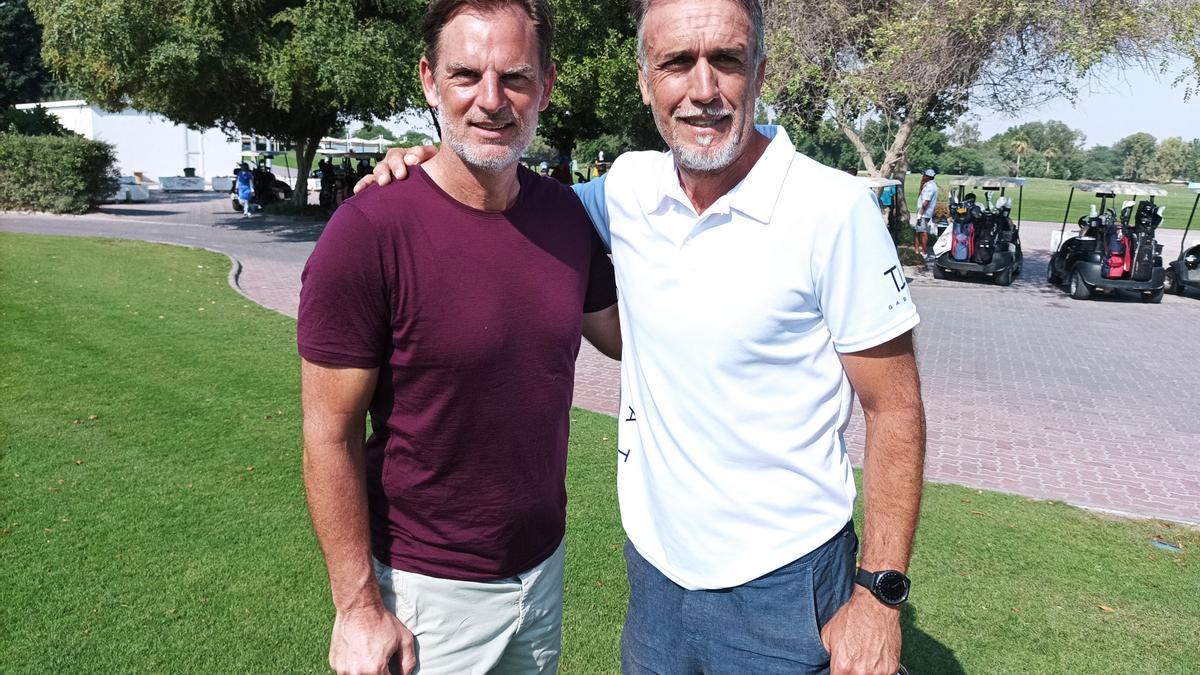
(522, 69)
(738, 51)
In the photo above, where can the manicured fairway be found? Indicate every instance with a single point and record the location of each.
(152, 516)
(1046, 200)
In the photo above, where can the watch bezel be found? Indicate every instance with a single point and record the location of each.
(878, 582)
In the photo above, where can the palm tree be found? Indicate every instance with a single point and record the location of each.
(1049, 154)
(1020, 146)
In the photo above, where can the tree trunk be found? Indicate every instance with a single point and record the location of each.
(306, 149)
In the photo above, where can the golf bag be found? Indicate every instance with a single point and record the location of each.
(985, 238)
(1140, 238)
(1115, 259)
(962, 245)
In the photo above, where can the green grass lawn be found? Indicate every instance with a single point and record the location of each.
(1045, 199)
(152, 516)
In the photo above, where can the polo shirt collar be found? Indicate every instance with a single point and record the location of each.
(755, 196)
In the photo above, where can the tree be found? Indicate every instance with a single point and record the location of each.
(917, 63)
(1192, 170)
(290, 70)
(23, 78)
(413, 138)
(1049, 155)
(1136, 151)
(1020, 146)
(826, 144)
(1100, 163)
(1170, 160)
(595, 47)
(373, 130)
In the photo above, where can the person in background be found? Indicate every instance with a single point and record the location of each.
(926, 203)
(245, 188)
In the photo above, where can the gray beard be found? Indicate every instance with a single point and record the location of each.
(696, 162)
(489, 163)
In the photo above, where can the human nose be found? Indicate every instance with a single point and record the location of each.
(703, 85)
(490, 95)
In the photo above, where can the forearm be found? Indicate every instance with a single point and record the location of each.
(337, 502)
(893, 470)
(603, 330)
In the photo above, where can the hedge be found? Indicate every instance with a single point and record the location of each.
(59, 174)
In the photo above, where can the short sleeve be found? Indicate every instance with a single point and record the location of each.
(860, 285)
(602, 282)
(345, 312)
(591, 194)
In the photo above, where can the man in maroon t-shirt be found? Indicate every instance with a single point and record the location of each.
(450, 308)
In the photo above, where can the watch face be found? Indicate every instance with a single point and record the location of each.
(892, 587)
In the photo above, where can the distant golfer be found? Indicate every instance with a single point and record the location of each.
(927, 203)
(245, 188)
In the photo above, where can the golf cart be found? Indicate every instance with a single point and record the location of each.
(1112, 252)
(877, 185)
(267, 186)
(981, 240)
(336, 181)
(1184, 272)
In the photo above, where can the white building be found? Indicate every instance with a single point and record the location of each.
(150, 146)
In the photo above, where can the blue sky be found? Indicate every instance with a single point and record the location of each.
(1111, 106)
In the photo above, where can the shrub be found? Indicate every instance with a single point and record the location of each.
(909, 257)
(33, 122)
(59, 174)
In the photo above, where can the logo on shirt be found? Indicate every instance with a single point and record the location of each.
(896, 276)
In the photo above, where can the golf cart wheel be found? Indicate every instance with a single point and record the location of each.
(1171, 283)
(1004, 278)
(1153, 297)
(938, 272)
(1079, 287)
(237, 205)
(1051, 277)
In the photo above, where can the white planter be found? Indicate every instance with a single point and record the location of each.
(182, 183)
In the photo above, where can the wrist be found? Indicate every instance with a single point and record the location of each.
(866, 601)
(361, 597)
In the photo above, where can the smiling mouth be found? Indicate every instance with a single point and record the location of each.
(491, 126)
(705, 121)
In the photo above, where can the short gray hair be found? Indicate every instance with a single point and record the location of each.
(753, 9)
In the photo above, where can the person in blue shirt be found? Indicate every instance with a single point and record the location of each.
(245, 189)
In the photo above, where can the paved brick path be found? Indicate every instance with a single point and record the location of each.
(1027, 391)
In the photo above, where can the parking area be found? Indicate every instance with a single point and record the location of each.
(1027, 391)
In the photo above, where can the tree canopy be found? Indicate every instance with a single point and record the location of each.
(289, 69)
(913, 63)
(595, 48)
(23, 78)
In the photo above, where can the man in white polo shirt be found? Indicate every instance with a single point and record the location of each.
(758, 294)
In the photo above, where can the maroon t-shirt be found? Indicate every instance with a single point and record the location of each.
(473, 319)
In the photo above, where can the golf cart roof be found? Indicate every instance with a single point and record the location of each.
(1194, 187)
(257, 153)
(988, 182)
(352, 155)
(1120, 188)
(877, 182)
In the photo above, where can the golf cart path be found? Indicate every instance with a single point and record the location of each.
(1026, 391)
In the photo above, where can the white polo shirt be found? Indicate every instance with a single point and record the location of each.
(731, 461)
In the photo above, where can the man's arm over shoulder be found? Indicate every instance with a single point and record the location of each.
(591, 194)
(601, 322)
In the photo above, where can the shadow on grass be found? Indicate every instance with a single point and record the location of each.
(922, 654)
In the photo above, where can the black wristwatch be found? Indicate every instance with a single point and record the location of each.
(890, 586)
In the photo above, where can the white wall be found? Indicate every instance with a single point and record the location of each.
(150, 143)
